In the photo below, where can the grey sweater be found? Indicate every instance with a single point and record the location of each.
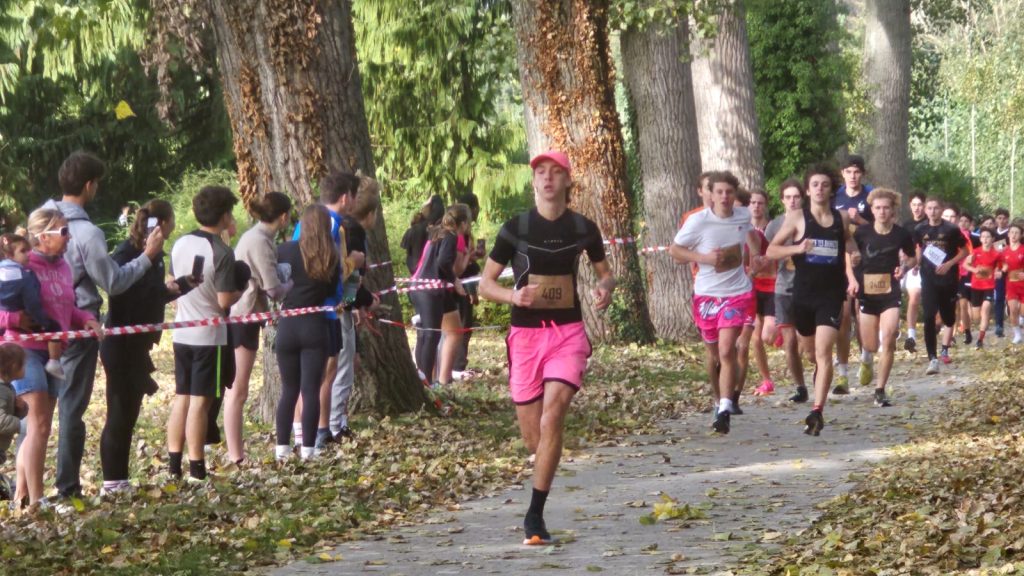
(9, 421)
(91, 264)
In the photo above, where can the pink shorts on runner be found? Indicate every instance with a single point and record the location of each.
(537, 355)
(712, 313)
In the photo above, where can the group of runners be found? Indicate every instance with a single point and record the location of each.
(835, 258)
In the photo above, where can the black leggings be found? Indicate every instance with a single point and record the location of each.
(940, 299)
(429, 304)
(126, 383)
(301, 354)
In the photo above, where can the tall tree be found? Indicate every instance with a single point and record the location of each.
(660, 90)
(566, 74)
(887, 59)
(723, 89)
(292, 88)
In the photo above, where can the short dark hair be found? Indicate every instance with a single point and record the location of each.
(965, 214)
(743, 196)
(212, 203)
(77, 170)
(822, 169)
(271, 206)
(726, 177)
(920, 195)
(792, 182)
(1002, 212)
(470, 199)
(337, 184)
(12, 359)
(853, 160)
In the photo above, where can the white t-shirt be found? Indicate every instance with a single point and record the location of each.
(201, 303)
(704, 232)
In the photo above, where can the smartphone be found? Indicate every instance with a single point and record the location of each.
(480, 244)
(151, 223)
(197, 266)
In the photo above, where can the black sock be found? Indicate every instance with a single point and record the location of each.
(197, 469)
(736, 398)
(537, 501)
(945, 350)
(174, 464)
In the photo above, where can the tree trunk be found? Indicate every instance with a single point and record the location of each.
(566, 74)
(292, 89)
(660, 88)
(887, 77)
(723, 90)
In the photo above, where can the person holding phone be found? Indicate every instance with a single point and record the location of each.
(126, 358)
(198, 352)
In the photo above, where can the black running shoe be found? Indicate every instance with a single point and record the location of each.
(814, 423)
(721, 424)
(980, 344)
(345, 432)
(736, 410)
(536, 532)
(910, 345)
(999, 332)
(881, 400)
(801, 395)
(968, 338)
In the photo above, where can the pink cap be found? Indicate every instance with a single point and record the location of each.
(555, 156)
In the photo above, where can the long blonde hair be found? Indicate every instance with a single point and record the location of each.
(40, 221)
(319, 251)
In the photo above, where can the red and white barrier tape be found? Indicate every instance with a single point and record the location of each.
(379, 265)
(147, 328)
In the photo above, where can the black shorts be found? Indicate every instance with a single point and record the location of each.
(334, 343)
(245, 335)
(765, 303)
(809, 313)
(979, 296)
(199, 370)
(875, 305)
(964, 287)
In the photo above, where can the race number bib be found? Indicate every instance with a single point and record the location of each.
(823, 252)
(1016, 275)
(877, 284)
(553, 292)
(983, 273)
(732, 257)
(935, 255)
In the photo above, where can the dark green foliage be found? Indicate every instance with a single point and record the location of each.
(946, 181)
(800, 77)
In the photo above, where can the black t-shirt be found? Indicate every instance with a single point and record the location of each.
(306, 291)
(547, 255)
(910, 224)
(945, 237)
(880, 255)
(439, 262)
(356, 241)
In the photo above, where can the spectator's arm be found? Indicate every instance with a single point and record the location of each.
(103, 270)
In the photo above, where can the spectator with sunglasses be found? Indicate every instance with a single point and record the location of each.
(92, 268)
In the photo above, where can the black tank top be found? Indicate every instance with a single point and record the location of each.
(822, 271)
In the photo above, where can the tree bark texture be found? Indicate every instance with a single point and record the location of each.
(887, 55)
(657, 69)
(567, 78)
(292, 89)
(723, 90)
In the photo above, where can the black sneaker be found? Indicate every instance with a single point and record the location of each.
(910, 345)
(801, 395)
(323, 438)
(721, 424)
(345, 433)
(814, 423)
(980, 344)
(999, 332)
(536, 532)
(968, 338)
(735, 410)
(881, 400)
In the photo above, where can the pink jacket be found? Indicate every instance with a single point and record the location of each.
(58, 294)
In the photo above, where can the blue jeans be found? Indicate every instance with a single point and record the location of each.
(79, 363)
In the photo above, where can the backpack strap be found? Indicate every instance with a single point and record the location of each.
(520, 238)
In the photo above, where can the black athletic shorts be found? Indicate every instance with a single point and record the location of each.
(876, 305)
(334, 343)
(979, 296)
(245, 335)
(809, 313)
(198, 370)
(765, 303)
(964, 287)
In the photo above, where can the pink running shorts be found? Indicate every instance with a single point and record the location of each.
(552, 353)
(712, 313)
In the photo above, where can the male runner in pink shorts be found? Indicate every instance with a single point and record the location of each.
(547, 345)
(723, 300)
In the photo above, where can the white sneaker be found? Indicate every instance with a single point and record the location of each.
(933, 367)
(53, 368)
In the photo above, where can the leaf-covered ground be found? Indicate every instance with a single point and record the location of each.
(396, 471)
(949, 502)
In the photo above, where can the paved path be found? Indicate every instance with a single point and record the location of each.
(760, 482)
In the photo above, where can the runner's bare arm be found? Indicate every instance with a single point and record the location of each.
(491, 290)
(605, 285)
(684, 255)
(754, 248)
(948, 265)
(790, 229)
